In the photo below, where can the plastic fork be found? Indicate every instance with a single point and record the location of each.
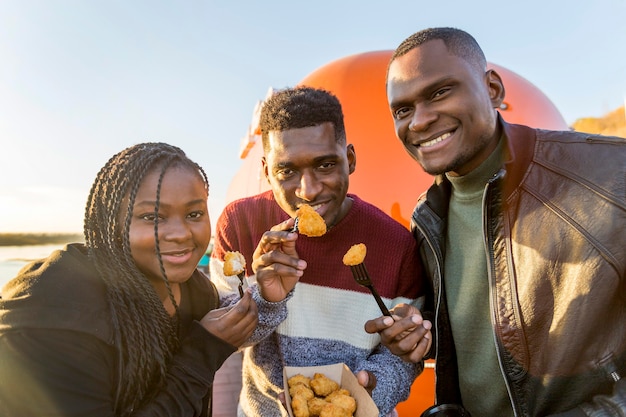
(362, 277)
(241, 277)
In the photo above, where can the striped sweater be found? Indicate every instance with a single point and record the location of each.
(321, 321)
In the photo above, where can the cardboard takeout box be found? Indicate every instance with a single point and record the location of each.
(340, 373)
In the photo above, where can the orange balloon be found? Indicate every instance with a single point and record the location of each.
(385, 175)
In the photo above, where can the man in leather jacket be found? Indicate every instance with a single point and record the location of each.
(523, 237)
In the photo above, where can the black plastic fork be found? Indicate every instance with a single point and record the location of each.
(241, 277)
(362, 277)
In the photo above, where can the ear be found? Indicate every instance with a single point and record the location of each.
(496, 88)
(351, 154)
(265, 169)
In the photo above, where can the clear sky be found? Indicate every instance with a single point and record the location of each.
(82, 79)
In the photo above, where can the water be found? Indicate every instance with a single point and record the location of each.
(13, 258)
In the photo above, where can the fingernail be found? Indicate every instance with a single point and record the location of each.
(388, 321)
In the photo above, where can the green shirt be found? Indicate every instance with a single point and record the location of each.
(466, 284)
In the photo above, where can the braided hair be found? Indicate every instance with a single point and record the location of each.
(146, 335)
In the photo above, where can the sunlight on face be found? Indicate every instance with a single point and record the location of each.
(184, 226)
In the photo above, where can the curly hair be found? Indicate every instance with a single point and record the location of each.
(146, 335)
(298, 107)
(457, 41)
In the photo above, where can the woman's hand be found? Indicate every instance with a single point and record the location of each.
(233, 324)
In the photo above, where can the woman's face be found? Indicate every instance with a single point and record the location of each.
(184, 226)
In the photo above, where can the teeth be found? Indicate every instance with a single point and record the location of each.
(436, 140)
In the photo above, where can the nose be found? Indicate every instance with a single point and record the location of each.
(422, 118)
(175, 230)
(309, 186)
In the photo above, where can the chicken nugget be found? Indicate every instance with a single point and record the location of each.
(315, 406)
(310, 223)
(340, 391)
(300, 390)
(333, 410)
(355, 255)
(234, 263)
(342, 400)
(299, 406)
(299, 379)
(322, 385)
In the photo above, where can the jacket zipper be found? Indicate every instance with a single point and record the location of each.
(487, 234)
(429, 240)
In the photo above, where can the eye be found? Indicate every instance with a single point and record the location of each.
(441, 92)
(401, 112)
(148, 217)
(196, 214)
(284, 173)
(324, 166)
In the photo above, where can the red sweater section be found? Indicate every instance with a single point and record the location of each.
(391, 259)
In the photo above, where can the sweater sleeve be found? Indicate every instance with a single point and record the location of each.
(394, 378)
(236, 232)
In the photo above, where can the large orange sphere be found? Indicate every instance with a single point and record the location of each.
(385, 174)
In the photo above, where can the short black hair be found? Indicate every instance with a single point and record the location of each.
(298, 107)
(458, 42)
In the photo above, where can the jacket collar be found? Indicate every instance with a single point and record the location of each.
(520, 141)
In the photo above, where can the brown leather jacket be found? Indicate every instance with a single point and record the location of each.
(555, 231)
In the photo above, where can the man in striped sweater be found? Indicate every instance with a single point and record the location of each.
(311, 311)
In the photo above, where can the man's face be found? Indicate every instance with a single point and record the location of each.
(308, 165)
(444, 108)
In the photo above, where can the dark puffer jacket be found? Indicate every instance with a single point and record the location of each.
(58, 356)
(555, 232)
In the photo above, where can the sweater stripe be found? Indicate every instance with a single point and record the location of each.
(320, 313)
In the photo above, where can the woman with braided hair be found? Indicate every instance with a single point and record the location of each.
(124, 324)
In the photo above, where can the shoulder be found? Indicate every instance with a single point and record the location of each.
(62, 291)
(64, 274)
(583, 157)
(375, 225)
(373, 215)
(251, 206)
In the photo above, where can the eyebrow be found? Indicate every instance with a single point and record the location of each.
(152, 203)
(426, 90)
(316, 160)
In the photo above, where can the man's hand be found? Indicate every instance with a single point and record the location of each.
(233, 324)
(406, 334)
(367, 380)
(276, 263)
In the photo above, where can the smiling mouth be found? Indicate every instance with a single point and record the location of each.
(178, 257)
(315, 207)
(435, 141)
(176, 253)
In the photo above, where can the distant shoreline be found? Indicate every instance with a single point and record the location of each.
(29, 239)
